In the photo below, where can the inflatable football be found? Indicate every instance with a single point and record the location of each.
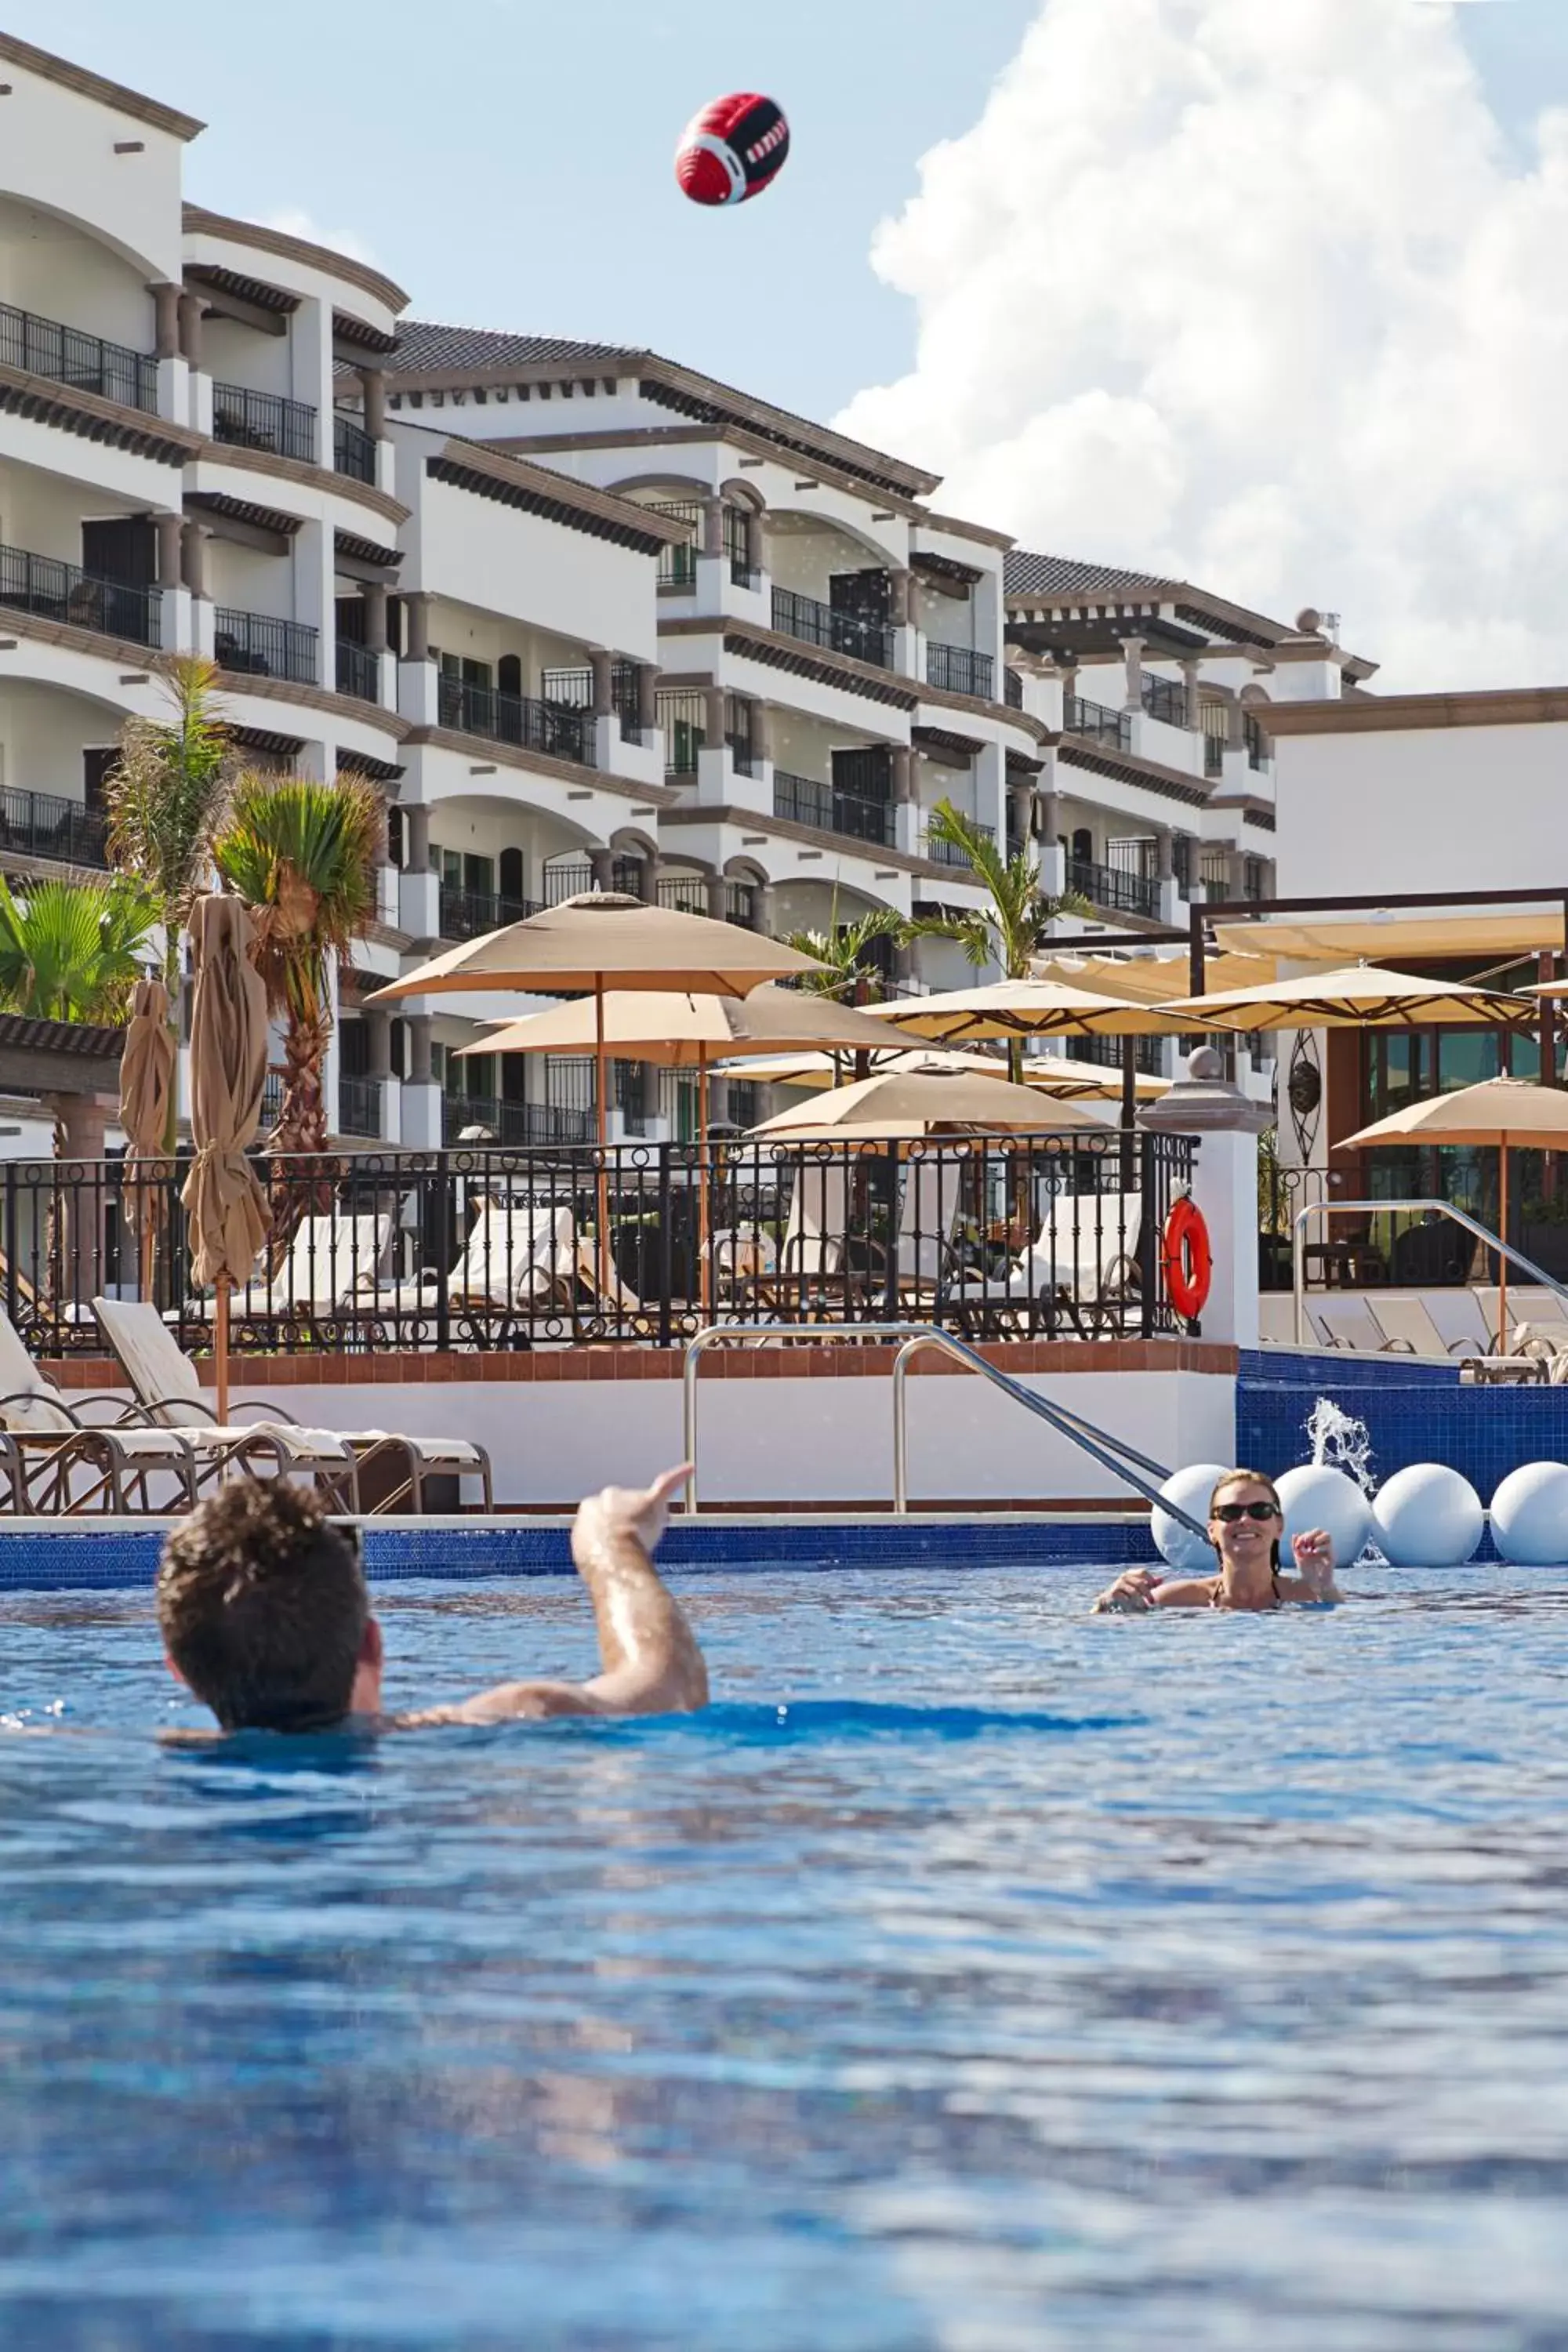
(734, 149)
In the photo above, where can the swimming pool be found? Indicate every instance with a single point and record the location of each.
(976, 1975)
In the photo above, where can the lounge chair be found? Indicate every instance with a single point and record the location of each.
(928, 1219)
(46, 1448)
(170, 1392)
(1075, 1263)
(1408, 1320)
(1351, 1324)
(1460, 1322)
(518, 1253)
(331, 1261)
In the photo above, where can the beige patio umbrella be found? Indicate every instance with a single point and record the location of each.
(690, 1033)
(1354, 997)
(901, 1105)
(1150, 979)
(1514, 1114)
(147, 1067)
(1028, 1008)
(1049, 1074)
(229, 1212)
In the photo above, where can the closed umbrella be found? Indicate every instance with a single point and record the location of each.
(229, 1212)
(687, 1032)
(147, 1065)
(1514, 1114)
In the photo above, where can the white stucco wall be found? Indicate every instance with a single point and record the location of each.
(57, 153)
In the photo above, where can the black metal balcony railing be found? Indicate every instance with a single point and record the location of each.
(266, 421)
(816, 623)
(1008, 1237)
(358, 671)
(687, 893)
(359, 1106)
(948, 852)
(741, 905)
(1113, 887)
(677, 564)
(469, 914)
(86, 362)
(1105, 1053)
(354, 450)
(1013, 689)
(1112, 728)
(1252, 736)
(61, 591)
(806, 801)
(743, 574)
(567, 880)
(954, 669)
(47, 824)
(1166, 701)
(553, 728)
(1214, 747)
(256, 646)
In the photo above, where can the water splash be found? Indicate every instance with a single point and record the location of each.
(1341, 1442)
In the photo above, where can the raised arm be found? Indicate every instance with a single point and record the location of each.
(651, 1664)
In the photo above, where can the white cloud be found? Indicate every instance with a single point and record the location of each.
(1248, 291)
(295, 223)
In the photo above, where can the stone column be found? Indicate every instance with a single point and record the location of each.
(761, 734)
(170, 528)
(647, 696)
(165, 320)
(899, 611)
(193, 556)
(756, 540)
(602, 864)
(713, 728)
(718, 891)
(649, 874)
(1133, 647)
(373, 595)
(418, 608)
(421, 1028)
(190, 327)
(713, 540)
(1020, 801)
(372, 392)
(1191, 672)
(378, 1041)
(82, 1119)
(1235, 732)
(1164, 856)
(903, 775)
(601, 662)
(416, 838)
(762, 909)
(1050, 807)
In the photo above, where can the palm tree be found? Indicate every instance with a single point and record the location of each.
(1016, 926)
(166, 794)
(74, 950)
(844, 950)
(303, 857)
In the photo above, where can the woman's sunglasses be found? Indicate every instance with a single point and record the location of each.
(1231, 1512)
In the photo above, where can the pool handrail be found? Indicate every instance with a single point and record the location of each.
(1343, 1208)
(1113, 1453)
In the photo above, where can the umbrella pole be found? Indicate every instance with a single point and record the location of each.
(220, 1349)
(1502, 1254)
(704, 1272)
(602, 1098)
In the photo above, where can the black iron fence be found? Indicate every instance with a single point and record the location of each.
(815, 624)
(1165, 701)
(495, 1247)
(358, 671)
(469, 914)
(806, 801)
(954, 669)
(1100, 724)
(256, 646)
(62, 592)
(47, 824)
(1119, 889)
(560, 730)
(1012, 689)
(265, 421)
(86, 362)
(354, 450)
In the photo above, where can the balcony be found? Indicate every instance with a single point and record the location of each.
(358, 1107)
(1252, 736)
(1105, 1053)
(953, 669)
(948, 852)
(1166, 701)
(574, 687)
(45, 824)
(264, 420)
(471, 914)
(553, 728)
(354, 451)
(831, 810)
(1093, 720)
(253, 645)
(1214, 754)
(85, 362)
(358, 671)
(1113, 888)
(841, 633)
(515, 1122)
(1012, 689)
(59, 592)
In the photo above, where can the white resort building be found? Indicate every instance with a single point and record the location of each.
(589, 617)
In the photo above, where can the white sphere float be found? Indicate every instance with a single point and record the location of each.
(1427, 1516)
(1316, 1496)
(1191, 1490)
(1529, 1516)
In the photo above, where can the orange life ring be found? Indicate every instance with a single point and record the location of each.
(1188, 1259)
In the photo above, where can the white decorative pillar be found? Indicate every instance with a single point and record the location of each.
(1202, 1103)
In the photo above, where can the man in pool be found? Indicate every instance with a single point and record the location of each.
(1246, 1520)
(264, 1616)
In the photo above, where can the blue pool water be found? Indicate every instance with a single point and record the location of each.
(977, 1975)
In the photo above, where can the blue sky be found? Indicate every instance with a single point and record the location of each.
(510, 162)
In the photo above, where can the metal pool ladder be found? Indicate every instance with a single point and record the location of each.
(1113, 1453)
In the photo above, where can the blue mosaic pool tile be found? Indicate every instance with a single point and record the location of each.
(1481, 1433)
(123, 1560)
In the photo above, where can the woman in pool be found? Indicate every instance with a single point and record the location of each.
(1245, 1521)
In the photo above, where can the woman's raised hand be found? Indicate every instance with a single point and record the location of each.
(1314, 1552)
(1134, 1590)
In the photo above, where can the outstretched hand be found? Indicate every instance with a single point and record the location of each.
(640, 1511)
(1133, 1590)
(1314, 1555)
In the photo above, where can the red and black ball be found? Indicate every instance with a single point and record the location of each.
(733, 150)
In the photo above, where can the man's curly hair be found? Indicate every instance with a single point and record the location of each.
(262, 1606)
